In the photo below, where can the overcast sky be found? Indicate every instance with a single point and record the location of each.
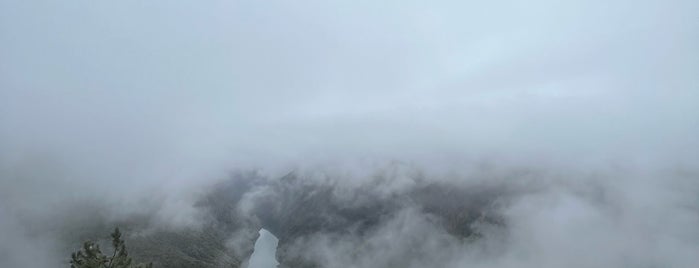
(155, 91)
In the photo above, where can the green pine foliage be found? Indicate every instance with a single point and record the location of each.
(90, 256)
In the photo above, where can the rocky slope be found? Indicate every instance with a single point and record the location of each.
(295, 208)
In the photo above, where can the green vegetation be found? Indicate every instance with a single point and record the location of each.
(91, 256)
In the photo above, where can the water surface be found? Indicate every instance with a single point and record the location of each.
(265, 250)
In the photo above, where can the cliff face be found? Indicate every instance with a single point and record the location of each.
(297, 209)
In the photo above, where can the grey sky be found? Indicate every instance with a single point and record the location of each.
(138, 82)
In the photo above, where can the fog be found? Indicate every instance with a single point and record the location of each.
(133, 106)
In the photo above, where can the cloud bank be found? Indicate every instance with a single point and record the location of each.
(136, 106)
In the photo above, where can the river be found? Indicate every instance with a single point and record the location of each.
(265, 250)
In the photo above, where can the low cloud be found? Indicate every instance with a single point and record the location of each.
(584, 117)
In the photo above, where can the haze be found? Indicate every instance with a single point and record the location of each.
(130, 104)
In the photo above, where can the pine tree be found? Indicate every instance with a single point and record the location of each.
(91, 256)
